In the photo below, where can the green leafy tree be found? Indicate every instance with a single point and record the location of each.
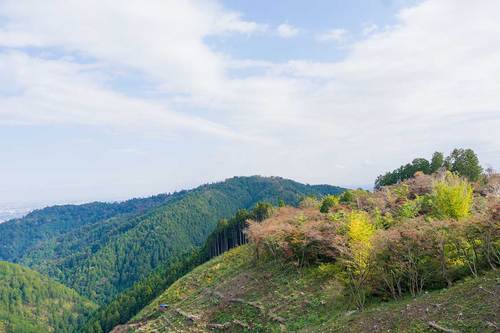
(409, 209)
(262, 211)
(420, 164)
(465, 163)
(328, 202)
(437, 161)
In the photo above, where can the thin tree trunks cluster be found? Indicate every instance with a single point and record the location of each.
(226, 239)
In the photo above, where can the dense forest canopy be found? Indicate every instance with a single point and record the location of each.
(101, 252)
(33, 303)
(19, 236)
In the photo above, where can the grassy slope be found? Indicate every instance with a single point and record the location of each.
(31, 302)
(280, 298)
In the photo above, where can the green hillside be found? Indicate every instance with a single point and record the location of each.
(21, 235)
(30, 302)
(228, 234)
(418, 256)
(244, 295)
(102, 259)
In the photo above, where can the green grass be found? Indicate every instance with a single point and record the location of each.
(301, 297)
(309, 300)
(469, 306)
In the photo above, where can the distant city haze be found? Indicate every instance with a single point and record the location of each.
(8, 213)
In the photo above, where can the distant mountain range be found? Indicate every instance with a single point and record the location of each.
(100, 249)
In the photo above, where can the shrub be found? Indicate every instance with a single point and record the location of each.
(406, 257)
(347, 197)
(419, 185)
(418, 255)
(309, 202)
(382, 221)
(402, 191)
(328, 202)
(452, 198)
(300, 235)
(410, 209)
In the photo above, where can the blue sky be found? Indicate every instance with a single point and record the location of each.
(106, 100)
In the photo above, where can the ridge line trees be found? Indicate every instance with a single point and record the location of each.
(464, 162)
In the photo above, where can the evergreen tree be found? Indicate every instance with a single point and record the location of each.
(437, 161)
(465, 163)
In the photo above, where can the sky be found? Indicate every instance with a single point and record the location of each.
(108, 99)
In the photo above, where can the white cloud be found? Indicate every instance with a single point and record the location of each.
(164, 39)
(370, 28)
(429, 82)
(287, 31)
(335, 35)
(38, 91)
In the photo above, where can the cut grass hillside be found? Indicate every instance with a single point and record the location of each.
(236, 293)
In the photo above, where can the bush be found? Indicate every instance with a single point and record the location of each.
(384, 244)
(410, 209)
(452, 198)
(302, 236)
(347, 197)
(384, 221)
(406, 258)
(309, 202)
(328, 202)
(402, 191)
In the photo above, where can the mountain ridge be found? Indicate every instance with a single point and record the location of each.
(103, 255)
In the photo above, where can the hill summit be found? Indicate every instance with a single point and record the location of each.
(420, 255)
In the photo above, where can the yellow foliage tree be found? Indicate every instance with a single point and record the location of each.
(452, 198)
(360, 234)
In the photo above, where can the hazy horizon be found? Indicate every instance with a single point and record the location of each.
(141, 98)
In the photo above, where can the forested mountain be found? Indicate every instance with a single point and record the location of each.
(103, 257)
(33, 303)
(422, 255)
(20, 235)
(228, 234)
